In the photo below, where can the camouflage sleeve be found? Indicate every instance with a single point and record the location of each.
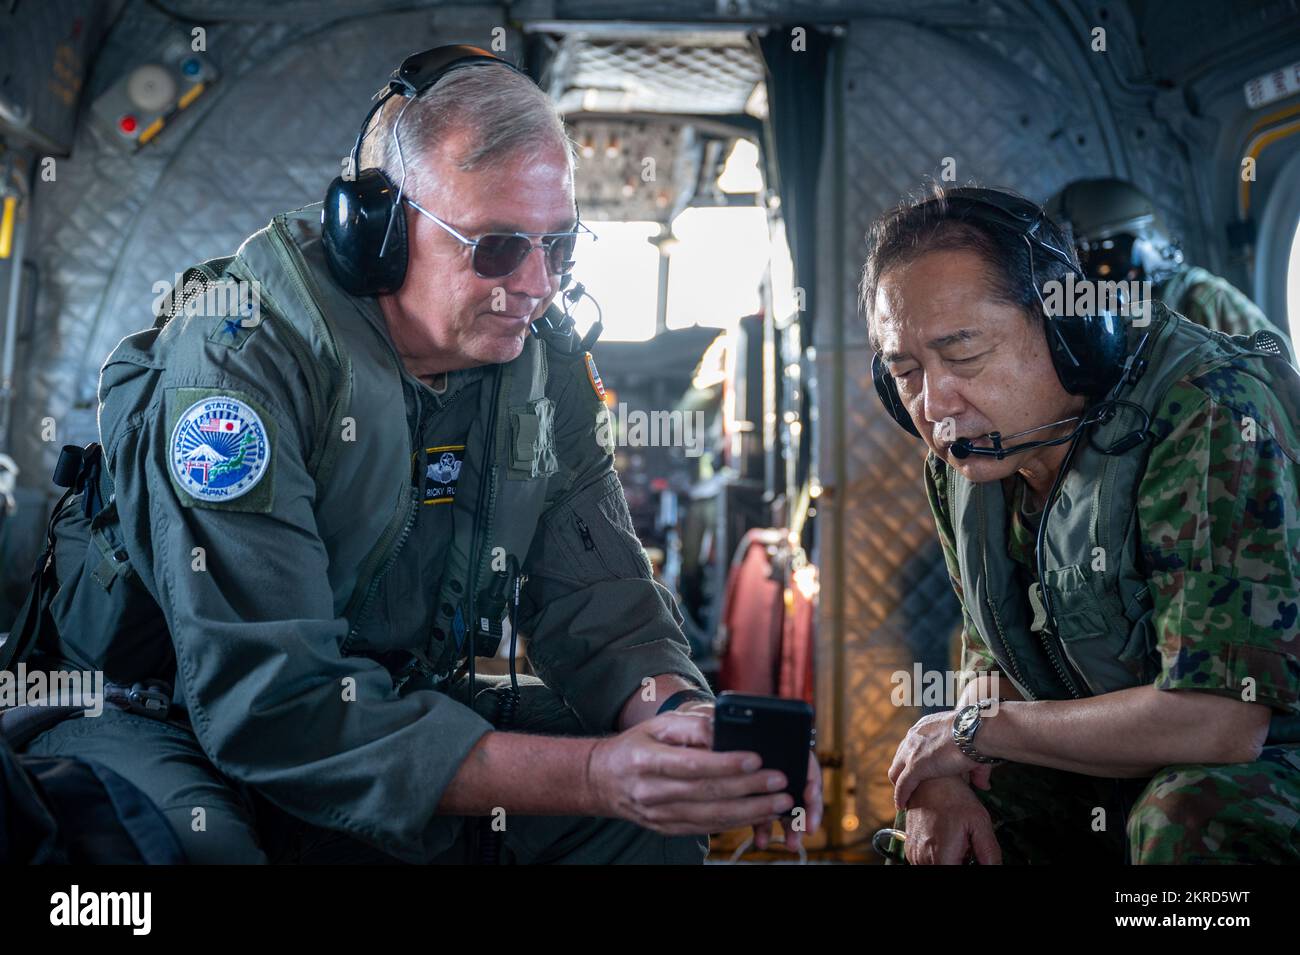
(1220, 527)
(974, 655)
(596, 620)
(1216, 304)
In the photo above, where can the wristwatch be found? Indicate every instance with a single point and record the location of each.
(966, 724)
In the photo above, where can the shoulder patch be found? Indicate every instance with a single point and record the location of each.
(594, 376)
(220, 450)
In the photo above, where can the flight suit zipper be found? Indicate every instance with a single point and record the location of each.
(422, 666)
(1050, 639)
(1049, 644)
(411, 510)
(997, 621)
(585, 532)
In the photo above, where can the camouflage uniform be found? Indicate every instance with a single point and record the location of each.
(1213, 302)
(1219, 535)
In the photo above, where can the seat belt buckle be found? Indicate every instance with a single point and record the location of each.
(151, 698)
(418, 668)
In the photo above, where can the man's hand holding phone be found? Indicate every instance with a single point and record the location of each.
(663, 775)
(780, 731)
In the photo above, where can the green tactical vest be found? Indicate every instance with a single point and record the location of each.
(363, 543)
(1101, 638)
(352, 375)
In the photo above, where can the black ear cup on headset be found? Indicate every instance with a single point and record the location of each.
(1088, 351)
(354, 221)
(355, 216)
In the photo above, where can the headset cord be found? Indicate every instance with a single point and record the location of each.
(476, 544)
(507, 707)
(487, 845)
(509, 702)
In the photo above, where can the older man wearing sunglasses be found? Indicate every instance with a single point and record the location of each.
(339, 501)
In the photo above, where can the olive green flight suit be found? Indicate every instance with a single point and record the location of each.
(303, 511)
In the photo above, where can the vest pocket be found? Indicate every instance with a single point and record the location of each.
(1139, 654)
(1079, 611)
(1107, 649)
(532, 440)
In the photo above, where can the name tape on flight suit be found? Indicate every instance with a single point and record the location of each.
(441, 472)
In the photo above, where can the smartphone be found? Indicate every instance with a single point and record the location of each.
(779, 730)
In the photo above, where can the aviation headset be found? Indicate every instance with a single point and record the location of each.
(1088, 351)
(362, 223)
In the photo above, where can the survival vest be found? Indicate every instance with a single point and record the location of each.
(1100, 637)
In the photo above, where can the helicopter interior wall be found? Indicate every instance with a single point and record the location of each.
(266, 139)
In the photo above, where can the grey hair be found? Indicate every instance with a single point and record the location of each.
(505, 113)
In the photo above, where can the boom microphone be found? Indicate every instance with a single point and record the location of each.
(963, 448)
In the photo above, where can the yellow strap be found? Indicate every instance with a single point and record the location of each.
(7, 226)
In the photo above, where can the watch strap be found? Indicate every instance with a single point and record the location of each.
(966, 742)
(688, 695)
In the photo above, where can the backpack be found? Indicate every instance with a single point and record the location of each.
(85, 573)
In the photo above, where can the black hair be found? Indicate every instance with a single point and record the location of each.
(930, 224)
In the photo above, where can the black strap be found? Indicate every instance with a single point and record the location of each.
(34, 620)
(688, 695)
(19, 725)
(81, 471)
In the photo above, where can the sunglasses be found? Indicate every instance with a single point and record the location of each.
(498, 254)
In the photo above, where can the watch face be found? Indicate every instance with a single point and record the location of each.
(966, 719)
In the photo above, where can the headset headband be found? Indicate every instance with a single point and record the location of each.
(1087, 351)
(364, 233)
(1021, 216)
(418, 72)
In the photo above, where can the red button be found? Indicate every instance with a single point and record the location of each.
(127, 124)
